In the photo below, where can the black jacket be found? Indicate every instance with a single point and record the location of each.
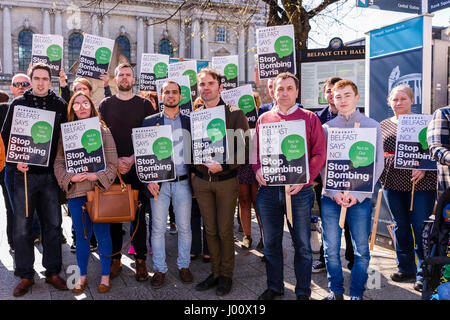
(50, 102)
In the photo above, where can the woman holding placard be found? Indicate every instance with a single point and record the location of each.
(398, 185)
(76, 186)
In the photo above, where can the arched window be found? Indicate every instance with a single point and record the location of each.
(25, 44)
(165, 47)
(75, 42)
(124, 46)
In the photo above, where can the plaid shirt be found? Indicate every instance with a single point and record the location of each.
(439, 145)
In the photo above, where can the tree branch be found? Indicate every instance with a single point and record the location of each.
(320, 7)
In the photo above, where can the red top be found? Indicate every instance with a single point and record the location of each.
(315, 139)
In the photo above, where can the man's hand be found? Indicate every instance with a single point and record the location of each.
(213, 166)
(125, 164)
(345, 201)
(22, 167)
(62, 78)
(153, 188)
(105, 78)
(260, 178)
(294, 190)
(417, 175)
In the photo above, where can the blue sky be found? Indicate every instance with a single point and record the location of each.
(357, 21)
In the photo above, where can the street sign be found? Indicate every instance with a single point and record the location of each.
(409, 6)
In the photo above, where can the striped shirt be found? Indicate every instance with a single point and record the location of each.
(439, 145)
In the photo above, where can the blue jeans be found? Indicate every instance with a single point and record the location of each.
(81, 222)
(181, 195)
(358, 218)
(407, 247)
(271, 206)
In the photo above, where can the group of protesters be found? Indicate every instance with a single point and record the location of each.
(211, 190)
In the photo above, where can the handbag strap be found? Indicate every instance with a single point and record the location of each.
(129, 241)
(122, 184)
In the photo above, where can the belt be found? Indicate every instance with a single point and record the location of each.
(216, 178)
(180, 178)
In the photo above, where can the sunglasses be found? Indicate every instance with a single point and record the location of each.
(21, 84)
(76, 106)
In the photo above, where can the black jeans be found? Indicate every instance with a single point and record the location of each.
(140, 238)
(43, 196)
(197, 233)
(9, 210)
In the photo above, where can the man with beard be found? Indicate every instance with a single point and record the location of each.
(121, 113)
(165, 192)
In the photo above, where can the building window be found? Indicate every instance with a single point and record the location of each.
(75, 43)
(165, 47)
(25, 44)
(221, 34)
(124, 46)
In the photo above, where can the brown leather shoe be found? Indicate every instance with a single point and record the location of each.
(57, 282)
(116, 267)
(158, 280)
(80, 288)
(22, 287)
(141, 271)
(186, 275)
(102, 288)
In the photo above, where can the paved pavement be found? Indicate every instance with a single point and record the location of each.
(249, 279)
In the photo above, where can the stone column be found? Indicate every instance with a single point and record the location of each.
(241, 54)
(196, 52)
(94, 25)
(150, 37)
(58, 23)
(7, 41)
(182, 40)
(140, 43)
(205, 40)
(251, 51)
(105, 27)
(45, 21)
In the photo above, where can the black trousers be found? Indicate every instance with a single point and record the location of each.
(43, 196)
(140, 238)
(9, 210)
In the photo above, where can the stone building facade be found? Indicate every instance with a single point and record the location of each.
(191, 31)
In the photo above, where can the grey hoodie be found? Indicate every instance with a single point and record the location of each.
(341, 122)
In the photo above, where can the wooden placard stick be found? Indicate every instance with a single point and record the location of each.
(412, 196)
(373, 234)
(288, 205)
(343, 209)
(26, 193)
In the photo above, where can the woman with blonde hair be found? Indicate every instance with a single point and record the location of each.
(76, 187)
(397, 186)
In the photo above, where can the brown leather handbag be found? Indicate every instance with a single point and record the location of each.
(118, 204)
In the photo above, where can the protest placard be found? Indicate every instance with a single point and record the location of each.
(153, 153)
(411, 149)
(83, 145)
(95, 56)
(350, 162)
(284, 153)
(276, 51)
(153, 67)
(242, 97)
(209, 135)
(229, 67)
(185, 68)
(30, 139)
(186, 100)
(48, 49)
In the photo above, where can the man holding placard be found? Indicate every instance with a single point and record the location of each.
(354, 164)
(31, 130)
(294, 159)
(177, 190)
(215, 182)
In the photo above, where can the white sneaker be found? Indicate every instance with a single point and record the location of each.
(315, 241)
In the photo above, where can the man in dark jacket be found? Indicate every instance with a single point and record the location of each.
(216, 187)
(177, 191)
(43, 190)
